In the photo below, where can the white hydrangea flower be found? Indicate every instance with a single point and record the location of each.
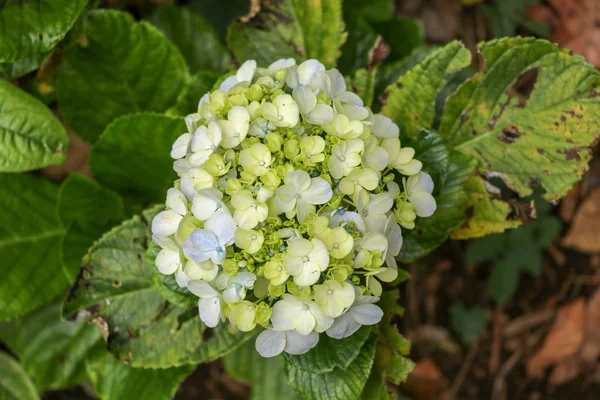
(271, 343)
(209, 304)
(363, 312)
(301, 315)
(305, 259)
(301, 193)
(345, 156)
(234, 287)
(282, 112)
(286, 188)
(205, 141)
(243, 76)
(419, 188)
(210, 243)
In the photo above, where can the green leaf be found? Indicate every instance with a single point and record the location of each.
(402, 34)
(535, 139)
(339, 384)
(449, 169)
(133, 156)
(32, 272)
(187, 102)
(376, 387)
(503, 281)
(122, 67)
(119, 381)
(43, 341)
(363, 84)
(330, 353)
(374, 10)
(468, 323)
(31, 137)
(388, 73)
(488, 214)
(218, 15)
(290, 28)
(20, 68)
(116, 287)
(31, 29)
(357, 48)
(86, 210)
(266, 376)
(411, 99)
(507, 16)
(195, 38)
(392, 348)
(14, 382)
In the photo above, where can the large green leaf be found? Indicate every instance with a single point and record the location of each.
(330, 353)
(392, 348)
(489, 214)
(358, 46)
(119, 381)
(338, 384)
(195, 38)
(31, 29)
(30, 231)
(290, 28)
(411, 99)
(133, 156)
(529, 139)
(14, 382)
(31, 137)
(122, 67)
(42, 341)
(267, 378)
(86, 210)
(116, 287)
(219, 14)
(449, 170)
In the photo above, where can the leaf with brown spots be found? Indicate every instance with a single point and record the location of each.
(538, 137)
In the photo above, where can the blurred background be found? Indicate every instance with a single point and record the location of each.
(512, 316)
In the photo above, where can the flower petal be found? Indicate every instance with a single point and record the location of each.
(210, 311)
(424, 203)
(270, 343)
(318, 192)
(343, 326)
(202, 289)
(366, 314)
(300, 344)
(167, 261)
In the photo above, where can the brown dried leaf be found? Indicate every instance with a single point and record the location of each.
(77, 161)
(564, 340)
(573, 25)
(425, 381)
(585, 231)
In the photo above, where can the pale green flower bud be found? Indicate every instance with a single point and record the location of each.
(275, 271)
(266, 81)
(243, 316)
(188, 224)
(276, 290)
(230, 266)
(263, 314)
(405, 212)
(302, 292)
(219, 101)
(238, 100)
(215, 165)
(254, 111)
(274, 141)
(291, 148)
(255, 92)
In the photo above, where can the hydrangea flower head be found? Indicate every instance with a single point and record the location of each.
(289, 207)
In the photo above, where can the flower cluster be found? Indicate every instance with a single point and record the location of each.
(289, 207)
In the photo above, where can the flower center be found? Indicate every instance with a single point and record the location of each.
(305, 259)
(330, 292)
(336, 246)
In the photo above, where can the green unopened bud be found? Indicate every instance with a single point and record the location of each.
(341, 272)
(254, 110)
(276, 93)
(263, 313)
(323, 98)
(219, 100)
(291, 148)
(238, 100)
(274, 141)
(215, 165)
(405, 212)
(276, 290)
(280, 74)
(266, 81)
(233, 186)
(243, 316)
(388, 178)
(298, 291)
(256, 92)
(230, 266)
(270, 180)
